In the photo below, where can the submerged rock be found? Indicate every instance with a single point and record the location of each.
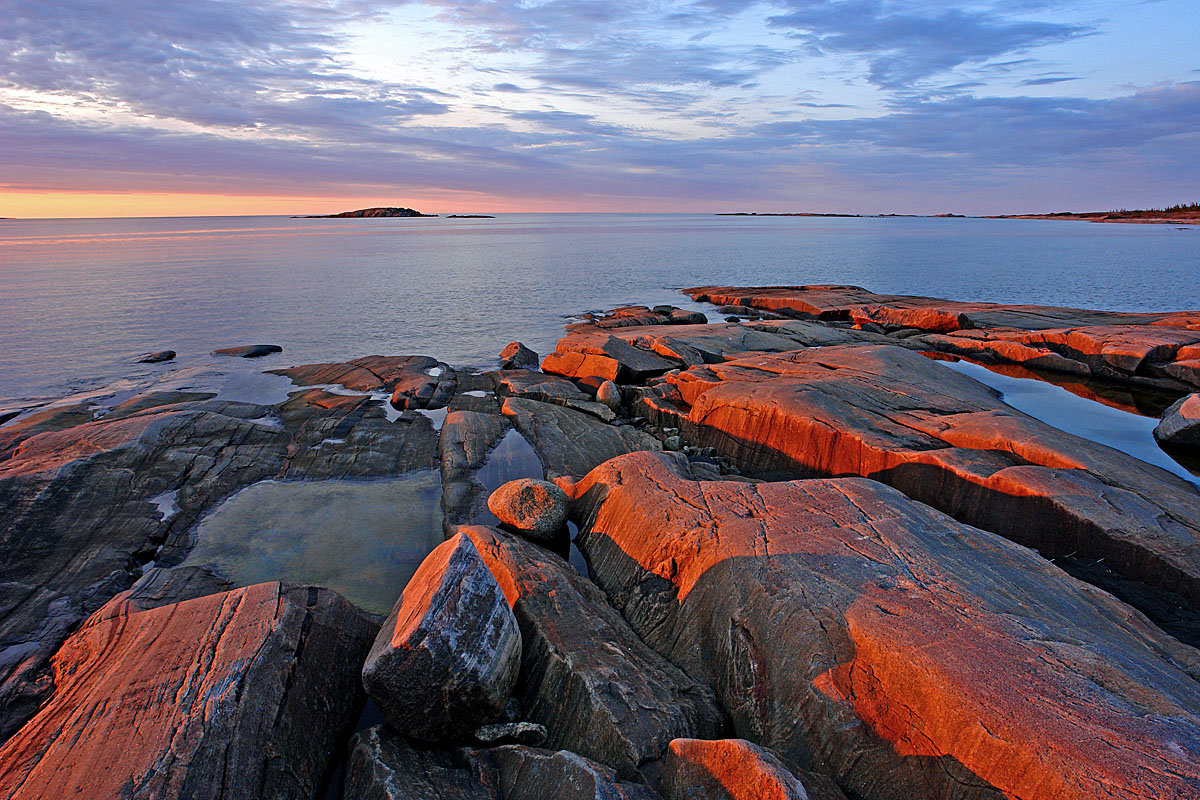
(517, 356)
(249, 350)
(232, 695)
(570, 442)
(157, 358)
(534, 508)
(446, 659)
(1180, 425)
(585, 675)
(868, 637)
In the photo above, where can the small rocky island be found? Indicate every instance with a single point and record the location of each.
(381, 211)
(789, 554)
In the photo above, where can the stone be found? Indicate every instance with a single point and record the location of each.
(366, 374)
(157, 358)
(239, 694)
(467, 441)
(515, 772)
(517, 356)
(867, 637)
(383, 766)
(527, 733)
(681, 317)
(447, 657)
(608, 394)
(1180, 425)
(249, 350)
(549, 389)
(889, 414)
(605, 356)
(734, 769)
(533, 508)
(570, 442)
(585, 675)
(672, 443)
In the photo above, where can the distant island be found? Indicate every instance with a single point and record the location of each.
(791, 214)
(1188, 214)
(469, 216)
(382, 211)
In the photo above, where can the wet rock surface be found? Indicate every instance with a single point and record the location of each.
(598, 689)
(571, 442)
(1180, 426)
(157, 358)
(249, 350)
(239, 694)
(867, 637)
(447, 657)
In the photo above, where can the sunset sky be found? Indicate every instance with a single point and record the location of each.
(162, 107)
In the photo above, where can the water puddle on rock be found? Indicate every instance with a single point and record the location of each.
(363, 539)
(1088, 419)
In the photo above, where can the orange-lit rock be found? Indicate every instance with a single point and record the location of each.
(367, 374)
(1180, 425)
(239, 694)
(585, 675)
(735, 769)
(867, 637)
(946, 440)
(446, 659)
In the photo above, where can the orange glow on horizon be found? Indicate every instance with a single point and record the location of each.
(56, 205)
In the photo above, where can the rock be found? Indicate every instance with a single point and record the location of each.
(468, 439)
(527, 733)
(379, 211)
(249, 350)
(524, 773)
(517, 356)
(569, 442)
(604, 356)
(383, 766)
(447, 657)
(734, 769)
(549, 389)
(609, 395)
(681, 317)
(1180, 425)
(872, 639)
(598, 689)
(533, 508)
(672, 443)
(367, 374)
(944, 439)
(240, 694)
(156, 358)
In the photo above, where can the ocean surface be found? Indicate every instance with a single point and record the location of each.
(80, 300)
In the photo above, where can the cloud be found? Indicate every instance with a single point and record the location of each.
(1047, 81)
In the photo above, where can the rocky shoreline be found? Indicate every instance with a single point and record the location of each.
(783, 555)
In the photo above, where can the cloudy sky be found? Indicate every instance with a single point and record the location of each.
(924, 106)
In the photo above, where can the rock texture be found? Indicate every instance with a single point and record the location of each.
(533, 508)
(517, 356)
(571, 442)
(446, 660)
(734, 769)
(385, 767)
(946, 440)
(1180, 426)
(249, 350)
(240, 694)
(525, 773)
(870, 638)
(585, 675)
(467, 441)
(157, 358)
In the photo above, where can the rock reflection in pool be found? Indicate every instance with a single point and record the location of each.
(363, 539)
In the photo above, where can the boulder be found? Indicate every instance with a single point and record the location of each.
(608, 394)
(570, 442)
(1180, 425)
(232, 695)
(383, 766)
(735, 769)
(585, 675)
(249, 350)
(533, 508)
(447, 657)
(870, 638)
(549, 389)
(514, 772)
(517, 356)
(157, 358)
(680, 317)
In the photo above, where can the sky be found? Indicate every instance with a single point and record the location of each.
(174, 107)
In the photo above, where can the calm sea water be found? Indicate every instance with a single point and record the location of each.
(80, 299)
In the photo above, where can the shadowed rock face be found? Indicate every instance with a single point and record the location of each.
(239, 694)
(1180, 426)
(79, 516)
(598, 689)
(385, 767)
(871, 638)
(446, 659)
(1160, 350)
(514, 772)
(944, 439)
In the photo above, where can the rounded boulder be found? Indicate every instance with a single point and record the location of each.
(536, 509)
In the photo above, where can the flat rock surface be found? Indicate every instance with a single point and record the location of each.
(872, 639)
(585, 675)
(239, 694)
(735, 769)
(947, 440)
(571, 442)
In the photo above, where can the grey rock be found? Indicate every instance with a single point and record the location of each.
(1180, 425)
(672, 443)
(681, 317)
(517, 356)
(385, 767)
(446, 659)
(249, 350)
(527, 733)
(609, 394)
(525, 773)
(156, 358)
(535, 508)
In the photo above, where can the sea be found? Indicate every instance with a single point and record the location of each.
(81, 300)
